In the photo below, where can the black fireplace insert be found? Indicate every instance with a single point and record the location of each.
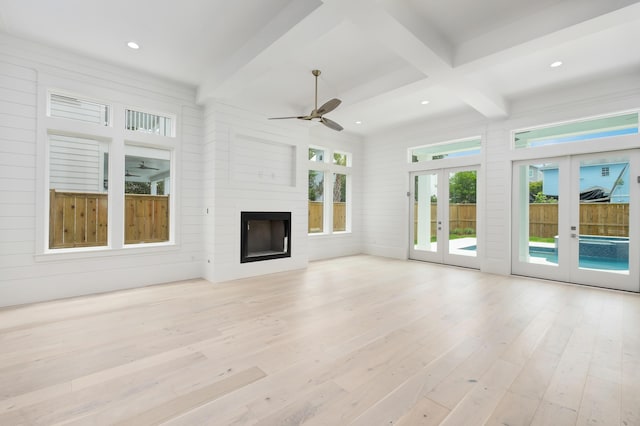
(265, 236)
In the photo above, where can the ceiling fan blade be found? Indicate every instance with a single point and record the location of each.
(142, 166)
(331, 124)
(329, 106)
(281, 118)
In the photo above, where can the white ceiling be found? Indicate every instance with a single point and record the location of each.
(381, 57)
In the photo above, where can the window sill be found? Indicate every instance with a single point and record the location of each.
(104, 251)
(329, 234)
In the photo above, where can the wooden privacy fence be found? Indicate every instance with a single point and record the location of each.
(146, 218)
(78, 219)
(461, 217)
(603, 219)
(316, 216)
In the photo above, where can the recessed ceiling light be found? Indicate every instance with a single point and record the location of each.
(555, 64)
(424, 102)
(133, 45)
(358, 122)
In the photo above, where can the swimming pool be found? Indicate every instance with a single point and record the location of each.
(592, 261)
(604, 253)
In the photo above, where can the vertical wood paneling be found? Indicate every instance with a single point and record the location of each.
(146, 218)
(77, 219)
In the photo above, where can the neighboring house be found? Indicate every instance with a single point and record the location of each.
(535, 174)
(593, 176)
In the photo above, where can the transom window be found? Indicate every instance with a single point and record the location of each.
(73, 108)
(594, 128)
(452, 149)
(149, 123)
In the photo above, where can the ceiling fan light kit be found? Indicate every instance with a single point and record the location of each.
(318, 113)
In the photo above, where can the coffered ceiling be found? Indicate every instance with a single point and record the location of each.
(383, 58)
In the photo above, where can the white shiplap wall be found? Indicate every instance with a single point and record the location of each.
(236, 181)
(386, 170)
(26, 276)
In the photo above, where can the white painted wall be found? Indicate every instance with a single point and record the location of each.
(26, 71)
(386, 169)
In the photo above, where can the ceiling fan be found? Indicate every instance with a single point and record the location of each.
(142, 166)
(318, 113)
(127, 174)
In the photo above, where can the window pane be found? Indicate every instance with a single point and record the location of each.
(316, 155)
(446, 150)
(341, 159)
(316, 204)
(604, 214)
(426, 212)
(578, 131)
(78, 182)
(339, 202)
(148, 123)
(147, 195)
(539, 213)
(462, 213)
(78, 109)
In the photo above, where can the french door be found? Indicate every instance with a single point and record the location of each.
(575, 219)
(444, 217)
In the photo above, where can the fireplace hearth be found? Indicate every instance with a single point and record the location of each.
(265, 236)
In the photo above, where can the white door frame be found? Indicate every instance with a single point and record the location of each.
(443, 253)
(568, 268)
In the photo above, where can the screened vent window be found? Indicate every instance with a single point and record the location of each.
(148, 123)
(605, 171)
(578, 131)
(440, 151)
(61, 106)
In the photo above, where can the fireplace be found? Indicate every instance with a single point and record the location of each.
(265, 236)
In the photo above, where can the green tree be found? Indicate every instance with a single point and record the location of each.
(340, 188)
(535, 188)
(340, 159)
(462, 187)
(316, 185)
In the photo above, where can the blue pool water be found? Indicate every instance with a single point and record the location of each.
(590, 262)
(604, 253)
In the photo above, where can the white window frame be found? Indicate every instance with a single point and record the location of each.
(117, 137)
(329, 168)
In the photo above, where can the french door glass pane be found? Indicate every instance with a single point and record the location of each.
(604, 215)
(462, 213)
(426, 212)
(539, 213)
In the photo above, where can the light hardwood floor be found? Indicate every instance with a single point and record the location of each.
(358, 340)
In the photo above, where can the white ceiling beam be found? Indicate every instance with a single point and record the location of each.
(300, 22)
(564, 22)
(385, 83)
(401, 32)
